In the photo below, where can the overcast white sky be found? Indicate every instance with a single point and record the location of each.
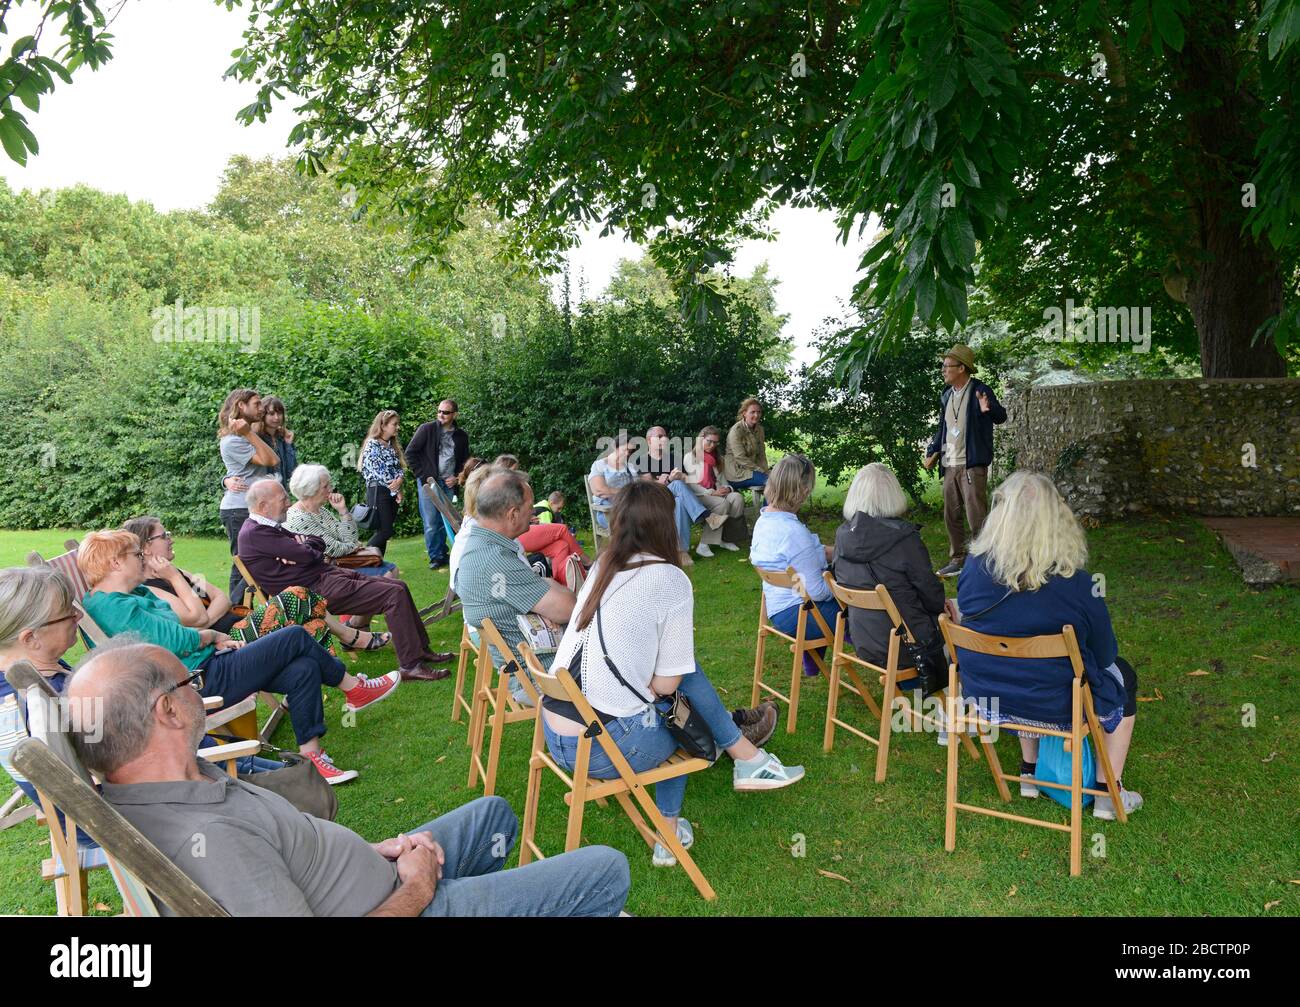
(157, 123)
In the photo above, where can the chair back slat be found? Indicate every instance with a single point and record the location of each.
(778, 578)
(122, 842)
(548, 682)
(1063, 644)
(488, 633)
(876, 599)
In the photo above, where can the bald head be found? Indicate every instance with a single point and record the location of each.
(268, 498)
(142, 714)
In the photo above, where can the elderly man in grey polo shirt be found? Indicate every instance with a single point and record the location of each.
(491, 579)
(257, 855)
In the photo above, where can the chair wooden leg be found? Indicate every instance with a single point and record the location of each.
(833, 694)
(1103, 758)
(532, 797)
(1076, 784)
(950, 793)
(796, 680)
(573, 836)
(638, 820)
(990, 748)
(758, 663)
(670, 840)
(458, 691)
(494, 742)
(886, 726)
(478, 721)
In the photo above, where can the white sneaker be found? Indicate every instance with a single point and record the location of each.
(1104, 807)
(663, 857)
(704, 550)
(765, 774)
(729, 546)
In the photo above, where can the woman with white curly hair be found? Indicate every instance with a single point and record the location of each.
(1026, 577)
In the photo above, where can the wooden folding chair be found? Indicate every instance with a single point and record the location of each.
(1063, 644)
(66, 563)
(443, 505)
(69, 864)
(594, 508)
(800, 644)
(439, 610)
(845, 661)
(629, 789)
(141, 872)
(494, 705)
(458, 700)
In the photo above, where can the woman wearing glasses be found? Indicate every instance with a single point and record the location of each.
(287, 661)
(703, 466)
(201, 605)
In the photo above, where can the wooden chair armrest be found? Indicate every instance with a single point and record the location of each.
(235, 750)
(229, 713)
(212, 702)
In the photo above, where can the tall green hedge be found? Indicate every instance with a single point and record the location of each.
(104, 422)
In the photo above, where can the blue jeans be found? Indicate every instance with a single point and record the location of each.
(787, 620)
(435, 535)
(287, 661)
(756, 482)
(687, 510)
(477, 838)
(646, 742)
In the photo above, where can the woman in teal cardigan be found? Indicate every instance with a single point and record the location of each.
(287, 661)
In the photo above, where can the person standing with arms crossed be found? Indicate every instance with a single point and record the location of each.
(246, 458)
(438, 451)
(962, 447)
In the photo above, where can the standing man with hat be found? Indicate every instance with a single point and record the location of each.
(963, 449)
(437, 451)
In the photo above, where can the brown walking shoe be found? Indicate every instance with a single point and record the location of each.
(757, 724)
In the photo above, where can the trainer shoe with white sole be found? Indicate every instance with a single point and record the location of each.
(370, 691)
(764, 772)
(703, 550)
(1027, 771)
(332, 774)
(1104, 807)
(729, 546)
(663, 857)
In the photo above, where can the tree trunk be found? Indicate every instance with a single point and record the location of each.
(1234, 289)
(1235, 283)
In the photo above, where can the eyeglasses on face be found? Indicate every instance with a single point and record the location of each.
(74, 614)
(137, 553)
(446, 412)
(162, 534)
(195, 681)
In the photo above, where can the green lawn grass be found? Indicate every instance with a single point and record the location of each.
(1217, 834)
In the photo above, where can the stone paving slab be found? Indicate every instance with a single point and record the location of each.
(1266, 548)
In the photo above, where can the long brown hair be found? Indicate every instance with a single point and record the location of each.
(230, 407)
(641, 522)
(375, 433)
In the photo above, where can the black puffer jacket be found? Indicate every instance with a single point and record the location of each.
(867, 548)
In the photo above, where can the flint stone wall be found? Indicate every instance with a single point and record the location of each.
(1120, 447)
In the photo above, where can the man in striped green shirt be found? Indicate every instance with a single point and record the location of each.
(491, 580)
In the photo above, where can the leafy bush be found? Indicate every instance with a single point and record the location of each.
(549, 393)
(118, 424)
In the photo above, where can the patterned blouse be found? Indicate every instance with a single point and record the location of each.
(339, 533)
(380, 464)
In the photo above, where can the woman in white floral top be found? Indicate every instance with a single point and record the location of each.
(323, 512)
(383, 466)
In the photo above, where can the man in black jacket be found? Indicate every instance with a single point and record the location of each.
(437, 451)
(963, 448)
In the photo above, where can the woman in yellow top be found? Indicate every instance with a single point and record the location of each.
(745, 465)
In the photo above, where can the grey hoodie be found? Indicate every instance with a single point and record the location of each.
(867, 548)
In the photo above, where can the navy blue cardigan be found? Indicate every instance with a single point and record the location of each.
(979, 426)
(1037, 689)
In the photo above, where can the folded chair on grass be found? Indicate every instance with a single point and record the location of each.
(52, 768)
(1083, 722)
(594, 508)
(629, 788)
(800, 643)
(439, 610)
(845, 661)
(493, 706)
